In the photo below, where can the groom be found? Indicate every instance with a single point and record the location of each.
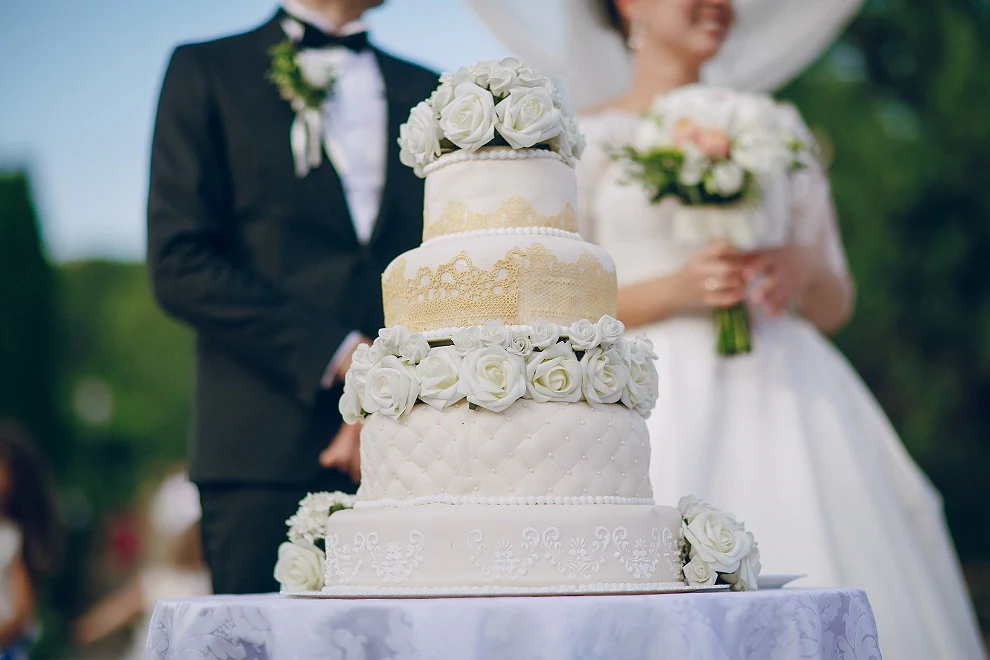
(272, 251)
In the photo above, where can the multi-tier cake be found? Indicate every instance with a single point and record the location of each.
(503, 449)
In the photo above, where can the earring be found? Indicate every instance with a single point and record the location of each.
(635, 40)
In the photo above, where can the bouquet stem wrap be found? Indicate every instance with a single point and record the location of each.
(732, 330)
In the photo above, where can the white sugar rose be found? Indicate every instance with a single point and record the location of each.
(726, 180)
(575, 138)
(496, 76)
(603, 376)
(611, 330)
(469, 119)
(492, 378)
(554, 375)
(350, 402)
(699, 574)
(441, 97)
(641, 391)
(299, 567)
(391, 340)
(319, 66)
(438, 375)
(585, 335)
(520, 344)
(646, 345)
(467, 340)
(495, 333)
(716, 538)
(414, 349)
(419, 138)
(392, 388)
(361, 362)
(746, 578)
(375, 354)
(690, 506)
(545, 334)
(527, 117)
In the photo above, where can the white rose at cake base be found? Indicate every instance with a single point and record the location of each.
(503, 442)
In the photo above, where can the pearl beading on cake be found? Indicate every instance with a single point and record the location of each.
(581, 500)
(507, 231)
(505, 153)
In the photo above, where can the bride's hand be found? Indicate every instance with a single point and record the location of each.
(713, 278)
(785, 274)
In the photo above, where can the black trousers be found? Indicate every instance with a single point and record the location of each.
(243, 525)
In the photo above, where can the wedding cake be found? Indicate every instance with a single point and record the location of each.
(503, 448)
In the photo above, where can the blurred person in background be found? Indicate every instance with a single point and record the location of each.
(275, 204)
(173, 568)
(29, 538)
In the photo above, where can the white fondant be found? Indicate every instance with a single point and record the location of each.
(438, 546)
(491, 153)
(539, 450)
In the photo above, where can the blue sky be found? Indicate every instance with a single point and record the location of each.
(80, 82)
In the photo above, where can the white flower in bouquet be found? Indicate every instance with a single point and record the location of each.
(319, 66)
(491, 378)
(415, 348)
(611, 330)
(746, 577)
(527, 117)
(467, 340)
(392, 388)
(391, 340)
(603, 376)
(727, 179)
(554, 375)
(299, 567)
(350, 402)
(469, 119)
(439, 374)
(717, 538)
(419, 138)
(698, 573)
(545, 334)
(520, 344)
(584, 335)
(494, 333)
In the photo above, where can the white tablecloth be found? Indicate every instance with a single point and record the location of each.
(784, 624)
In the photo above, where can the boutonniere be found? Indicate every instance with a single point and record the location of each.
(305, 79)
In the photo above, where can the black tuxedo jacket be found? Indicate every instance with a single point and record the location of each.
(264, 266)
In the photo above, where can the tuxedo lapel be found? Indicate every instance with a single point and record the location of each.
(400, 102)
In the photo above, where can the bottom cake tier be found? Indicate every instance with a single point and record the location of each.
(464, 549)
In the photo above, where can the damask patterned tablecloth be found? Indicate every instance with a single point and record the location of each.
(773, 624)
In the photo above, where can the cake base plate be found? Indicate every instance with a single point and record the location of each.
(485, 591)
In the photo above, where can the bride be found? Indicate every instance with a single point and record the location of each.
(787, 437)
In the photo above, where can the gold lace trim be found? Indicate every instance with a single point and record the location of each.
(522, 287)
(516, 211)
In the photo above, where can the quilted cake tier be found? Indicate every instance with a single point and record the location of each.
(531, 452)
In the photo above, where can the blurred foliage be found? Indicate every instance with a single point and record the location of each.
(901, 102)
(103, 378)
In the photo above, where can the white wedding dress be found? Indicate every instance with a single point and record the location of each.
(787, 437)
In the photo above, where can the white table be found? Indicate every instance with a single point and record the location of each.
(785, 624)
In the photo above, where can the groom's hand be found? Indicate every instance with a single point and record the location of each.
(344, 451)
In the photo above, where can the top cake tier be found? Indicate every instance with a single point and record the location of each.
(498, 188)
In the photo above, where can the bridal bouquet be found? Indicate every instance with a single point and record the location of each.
(713, 150)
(716, 547)
(491, 103)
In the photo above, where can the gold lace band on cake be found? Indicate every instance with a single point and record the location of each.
(524, 286)
(516, 211)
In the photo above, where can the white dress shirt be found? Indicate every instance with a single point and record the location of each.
(355, 116)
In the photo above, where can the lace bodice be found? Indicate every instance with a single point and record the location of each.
(637, 233)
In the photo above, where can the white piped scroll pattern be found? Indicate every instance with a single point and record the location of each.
(576, 558)
(393, 561)
(501, 561)
(639, 556)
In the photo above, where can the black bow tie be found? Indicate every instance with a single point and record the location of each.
(314, 37)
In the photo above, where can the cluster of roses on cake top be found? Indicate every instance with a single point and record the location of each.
(493, 366)
(491, 103)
